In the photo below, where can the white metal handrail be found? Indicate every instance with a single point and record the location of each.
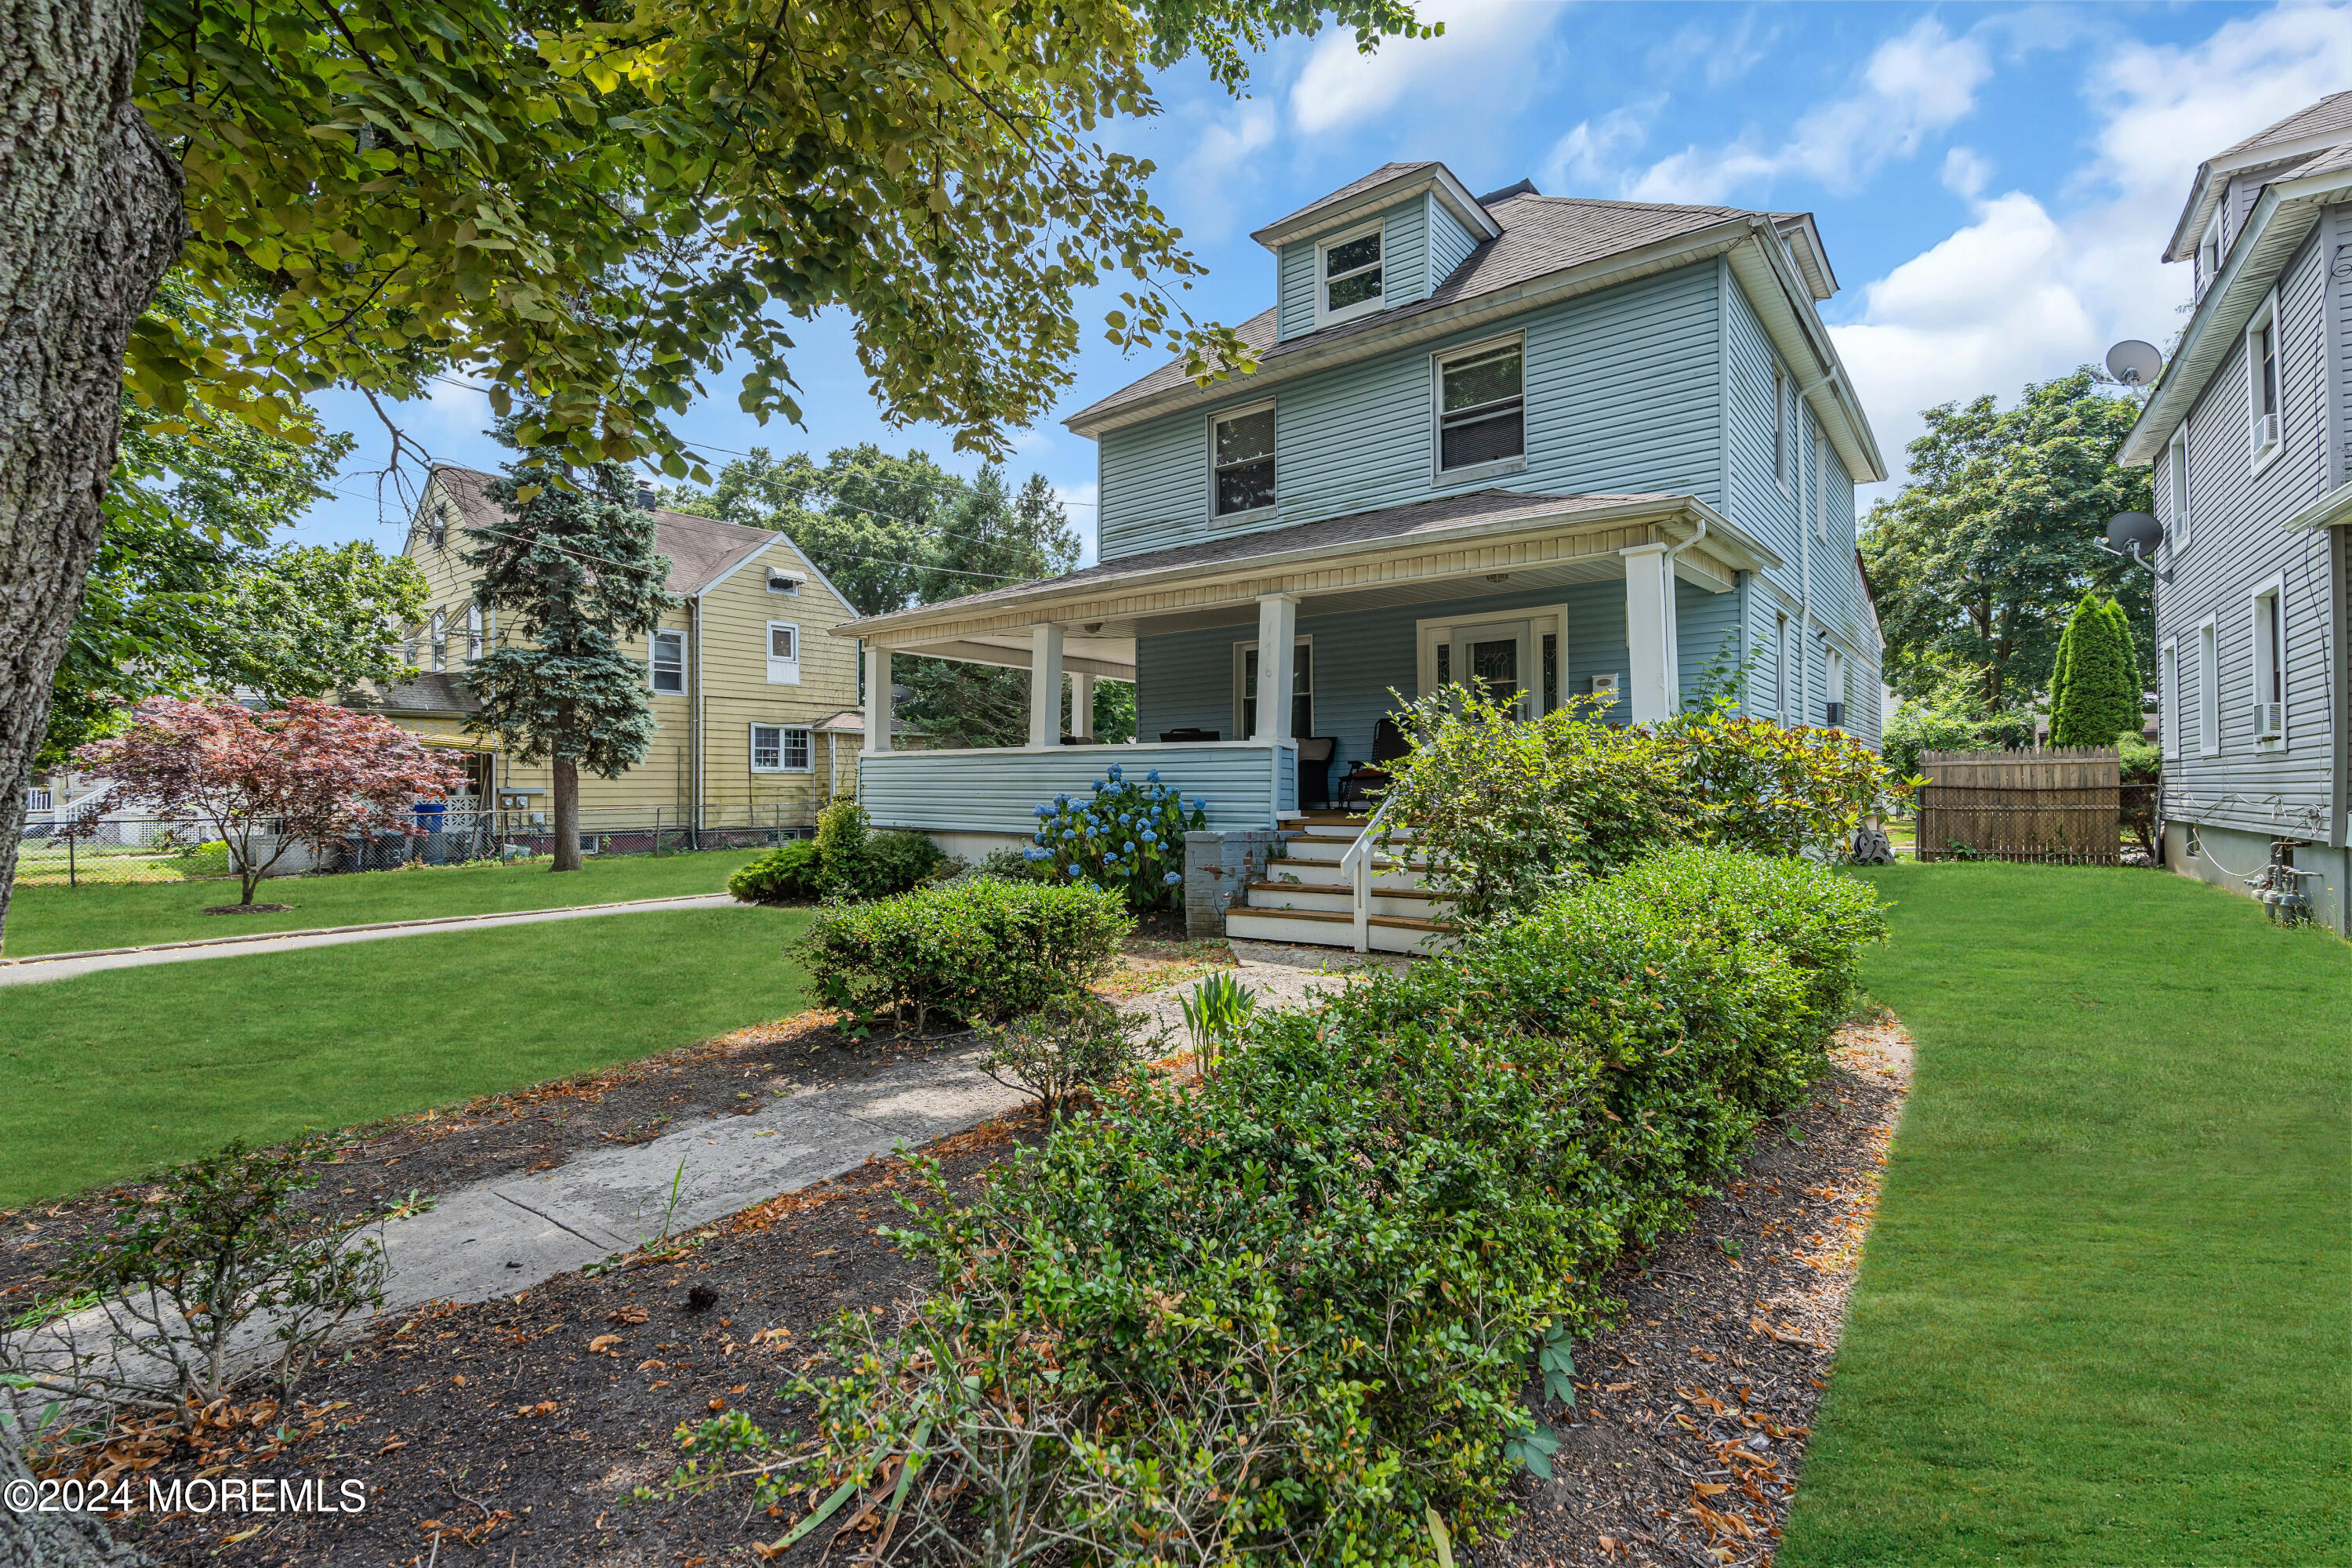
(1358, 863)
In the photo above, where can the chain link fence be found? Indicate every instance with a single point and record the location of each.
(143, 849)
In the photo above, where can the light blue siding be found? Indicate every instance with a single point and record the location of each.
(1296, 269)
(1622, 396)
(999, 790)
(1450, 244)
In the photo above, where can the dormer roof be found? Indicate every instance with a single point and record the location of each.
(1384, 187)
(2317, 131)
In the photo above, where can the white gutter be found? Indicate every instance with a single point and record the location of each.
(700, 710)
(2330, 510)
(1674, 628)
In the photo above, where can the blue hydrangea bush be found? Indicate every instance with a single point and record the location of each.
(1126, 838)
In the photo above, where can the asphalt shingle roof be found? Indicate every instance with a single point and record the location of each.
(425, 692)
(2331, 113)
(700, 549)
(1541, 235)
(1378, 176)
(1354, 528)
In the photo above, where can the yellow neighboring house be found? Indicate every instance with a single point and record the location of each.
(751, 696)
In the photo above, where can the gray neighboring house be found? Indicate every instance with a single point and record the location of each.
(2251, 440)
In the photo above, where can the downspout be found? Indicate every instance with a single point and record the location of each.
(1674, 625)
(695, 714)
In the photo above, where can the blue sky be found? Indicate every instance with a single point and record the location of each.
(1994, 184)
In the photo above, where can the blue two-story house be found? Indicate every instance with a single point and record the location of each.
(1557, 447)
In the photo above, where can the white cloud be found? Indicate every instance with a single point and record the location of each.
(2023, 292)
(1966, 172)
(454, 408)
(1914, 85)
(1582, 159)
(1485, 42)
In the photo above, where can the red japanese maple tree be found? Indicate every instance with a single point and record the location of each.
(304, 773)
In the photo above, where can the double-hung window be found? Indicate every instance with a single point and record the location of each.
(1241, 461)
(2175, 464)
(473, 633)
(440, 640)
(2263, 382)
(1781, 668)
(1347, 275)
(1482, 415)
(1302, 689)
(666, 663)
(780, 749)
(783, 654)
(2269, 658)
(2209, 688)
(2168, 715)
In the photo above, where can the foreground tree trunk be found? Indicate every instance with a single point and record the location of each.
(90, 219)
(567, 815)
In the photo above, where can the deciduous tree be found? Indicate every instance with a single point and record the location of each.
(309, 772)
(1978, 559)
(570, 574)
(594, 203)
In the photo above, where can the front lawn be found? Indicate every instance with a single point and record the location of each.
(109, 1075)
(68, 920)
(2103, 1317)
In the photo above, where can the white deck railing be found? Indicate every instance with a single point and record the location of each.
(1242, 785)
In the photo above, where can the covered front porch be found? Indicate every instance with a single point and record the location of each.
(1265, 663)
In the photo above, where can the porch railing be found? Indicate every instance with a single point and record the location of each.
(1244, 785)
(1357, 865)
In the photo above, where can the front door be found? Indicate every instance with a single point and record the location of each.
(1494, 659)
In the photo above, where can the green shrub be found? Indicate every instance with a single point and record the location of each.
(1949, 720)
(790, 871)
(981, 949)
(1015, 866)
(891, 863)
(1750, 783)
(1073, 1042)
(1286, 1311)
(1127, 836)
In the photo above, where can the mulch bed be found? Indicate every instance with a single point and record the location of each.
(1689, 1430)
(517, 1431)
(246, 908)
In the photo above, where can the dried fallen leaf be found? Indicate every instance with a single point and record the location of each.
(459, 1380)
(717, 1403)
(1710, 1489)
(625, 1315)
(649, 1365)
(603, 1342)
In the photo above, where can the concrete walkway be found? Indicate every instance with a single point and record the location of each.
(65, 965)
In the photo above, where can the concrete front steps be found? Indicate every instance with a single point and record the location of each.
(1305, 897)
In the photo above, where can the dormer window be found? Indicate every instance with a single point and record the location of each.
(2209, 254)
(1347, 275)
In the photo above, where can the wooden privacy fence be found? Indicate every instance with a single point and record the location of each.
(2062, 807)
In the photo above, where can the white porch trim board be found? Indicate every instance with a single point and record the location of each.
(1277, 662)
(1046, 685)
(1650, 643)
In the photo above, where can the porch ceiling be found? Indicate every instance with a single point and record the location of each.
(1433, 551)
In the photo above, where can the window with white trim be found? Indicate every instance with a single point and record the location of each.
(1481, 415)
(1834, 704)
(1241, 461)
(783, 654)
(1820, 484)
(666, 662)
(440, 640)
(2168, 696)
(780, 749)
(1302, 689)
(2208, 692)
(1347, 275)
(2175, 465)
(2262, 381)
(2268, 653)
(2209, 254)
(473, 633)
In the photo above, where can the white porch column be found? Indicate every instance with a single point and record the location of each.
(1649, 632)
(1082, 706)
(877, 699)
(1046, 685)
(1278, 636)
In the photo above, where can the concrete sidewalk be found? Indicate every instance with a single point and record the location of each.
(65, 965)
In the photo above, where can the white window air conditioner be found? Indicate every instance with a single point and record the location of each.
(2270, 720)
(783, 582)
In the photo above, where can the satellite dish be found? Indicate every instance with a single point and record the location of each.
(2134, 533)
(2134, 363)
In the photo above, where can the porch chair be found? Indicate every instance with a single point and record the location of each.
(1387, 744)
(1314, 754)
